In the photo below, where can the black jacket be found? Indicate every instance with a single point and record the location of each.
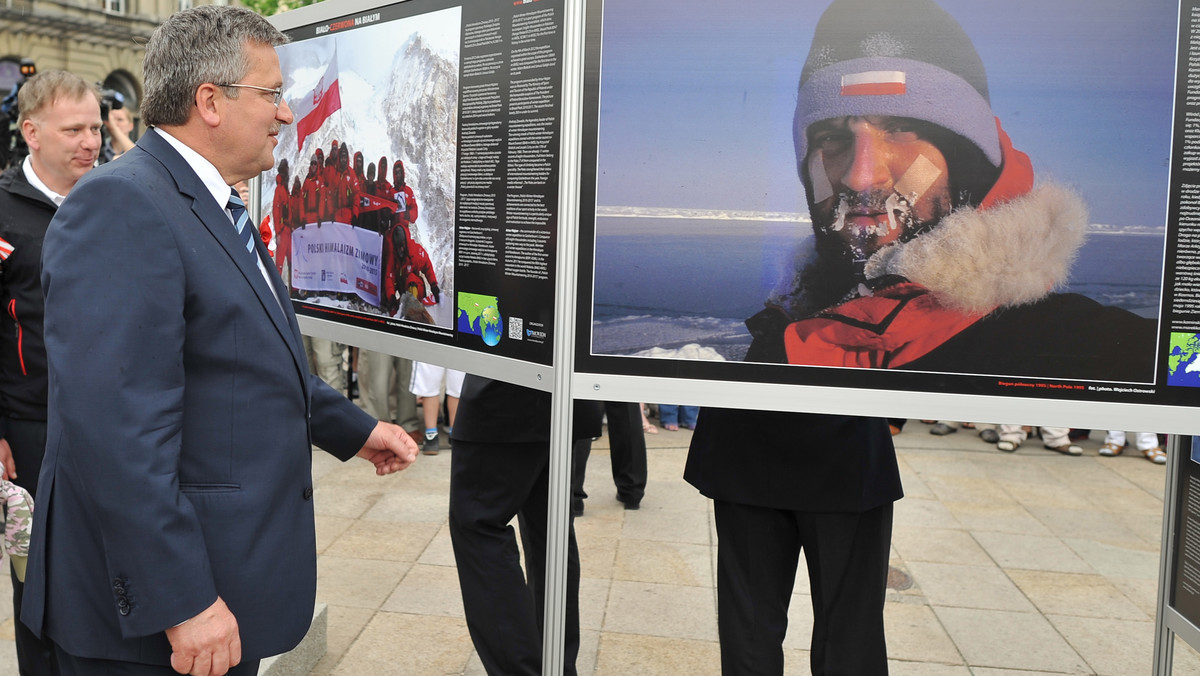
(1064, 335)
(801, 461)
(25, 213)
(493, 411)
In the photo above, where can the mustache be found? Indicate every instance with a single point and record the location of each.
(872, 200)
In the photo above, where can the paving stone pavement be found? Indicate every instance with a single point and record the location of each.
(1023, 563)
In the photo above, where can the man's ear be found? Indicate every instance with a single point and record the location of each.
(29, 130)
(209, 100)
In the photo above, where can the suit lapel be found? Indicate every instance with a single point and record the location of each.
(216, 221)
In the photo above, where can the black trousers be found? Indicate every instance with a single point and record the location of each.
(27, 439)
(505, 606)
(847, 556)
(628, 450)
(581, 450)
(85, 666)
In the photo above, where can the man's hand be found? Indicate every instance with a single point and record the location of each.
(8, 466)
(389, 448)
(208, 644)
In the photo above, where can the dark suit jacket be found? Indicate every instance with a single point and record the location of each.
(799, 461)
(181, 418)
(493, 411)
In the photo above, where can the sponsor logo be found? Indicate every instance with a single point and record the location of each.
(536, 332)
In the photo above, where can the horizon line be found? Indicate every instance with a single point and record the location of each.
(689, 213)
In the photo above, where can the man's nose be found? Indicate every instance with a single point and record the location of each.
(91, 141)
(283, 113)
(868, 163)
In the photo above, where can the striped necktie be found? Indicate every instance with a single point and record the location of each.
(242, 221)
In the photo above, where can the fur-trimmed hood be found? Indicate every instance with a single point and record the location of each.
(974, 261)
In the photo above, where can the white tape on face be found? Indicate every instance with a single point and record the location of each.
(822, 189)
(918, 178)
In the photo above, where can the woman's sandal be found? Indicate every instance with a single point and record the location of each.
(1156, 455)
(1111, 450)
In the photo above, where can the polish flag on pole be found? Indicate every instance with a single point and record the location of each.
(325, 99)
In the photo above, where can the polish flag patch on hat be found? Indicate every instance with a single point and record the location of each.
(873, 83)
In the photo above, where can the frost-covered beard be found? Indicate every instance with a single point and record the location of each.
(897, 222)
(890, 216)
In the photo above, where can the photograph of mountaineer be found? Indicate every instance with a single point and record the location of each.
(357, 241)
(935, 251)
(942, 187)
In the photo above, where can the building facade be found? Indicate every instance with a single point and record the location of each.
(100, 40)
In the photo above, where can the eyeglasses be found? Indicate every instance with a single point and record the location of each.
(276, 93)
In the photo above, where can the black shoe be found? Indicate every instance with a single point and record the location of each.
(942, 429)
(989, 435)
(431, 445)
(630, 503)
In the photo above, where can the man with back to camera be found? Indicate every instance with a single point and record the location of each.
(59, 118)
(175, 523)
(907, 172)
(499, 470)
(933, 249)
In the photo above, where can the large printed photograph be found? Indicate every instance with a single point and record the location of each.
(360, 206)
(947, 187)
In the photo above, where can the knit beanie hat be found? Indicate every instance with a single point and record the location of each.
(902, 58)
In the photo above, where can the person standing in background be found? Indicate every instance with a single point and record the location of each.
(59, 118)
(499, 470)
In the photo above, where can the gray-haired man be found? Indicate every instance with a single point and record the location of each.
(175, 521)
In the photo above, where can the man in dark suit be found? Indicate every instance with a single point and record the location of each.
(785, 482)
(174, 527)
(500, 468)
(59, 118)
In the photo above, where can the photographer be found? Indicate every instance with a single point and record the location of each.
(12, 144)
(119, 125)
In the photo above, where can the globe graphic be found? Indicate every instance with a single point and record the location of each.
(490, 325)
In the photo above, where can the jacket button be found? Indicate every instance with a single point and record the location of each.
(308, 491)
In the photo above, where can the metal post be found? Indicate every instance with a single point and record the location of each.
(1164, 638)
(558, 510)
